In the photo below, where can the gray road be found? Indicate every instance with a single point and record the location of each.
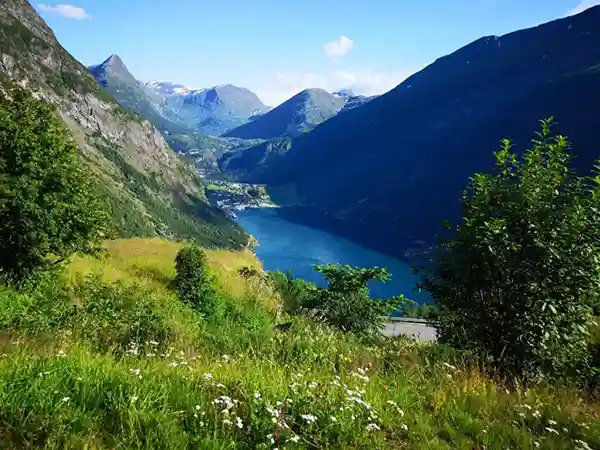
(414, 327)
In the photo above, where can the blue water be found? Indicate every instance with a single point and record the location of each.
(285, 245)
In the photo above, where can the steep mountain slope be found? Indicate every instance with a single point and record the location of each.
(114, 76)
(398, 163)
(151, 190)
(213, 110)
(298, 115)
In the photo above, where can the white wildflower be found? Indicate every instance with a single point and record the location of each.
(309, 418)
(197, 407)
(227, 422)
(373, 426)
(62, 353)
(312, 384)
(270, 438)
(173, 364)
(65, 399)
(551, 422)
(220, 385)
(404, 427)
(153, 343)
(257, 395)
(333, 419)
(239, 423)
(294, 438)
(551, 430)
(208, 376)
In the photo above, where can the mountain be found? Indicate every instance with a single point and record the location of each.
(213, 110)
(114, 76)
(298, 115)
(392, 170)
(151, 190)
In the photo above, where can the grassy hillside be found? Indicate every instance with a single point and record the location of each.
(107, 357)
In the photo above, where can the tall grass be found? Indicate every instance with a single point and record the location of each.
(107, 357)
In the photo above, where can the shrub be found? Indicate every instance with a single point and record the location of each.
(516, 279)
(47, 208)
(195, 283)
(294, 292)
(346, 303)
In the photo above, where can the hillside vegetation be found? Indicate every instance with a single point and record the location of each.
(106, 356)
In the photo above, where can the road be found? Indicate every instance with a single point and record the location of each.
(411, 327)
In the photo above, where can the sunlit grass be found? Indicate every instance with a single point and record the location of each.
(137, 369)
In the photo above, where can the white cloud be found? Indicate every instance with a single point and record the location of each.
(68, 11)
(339, 48)
(582, 6)
(286, 84)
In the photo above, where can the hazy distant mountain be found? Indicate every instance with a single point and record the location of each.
(213, 110)
(298, 115)
(114, 76)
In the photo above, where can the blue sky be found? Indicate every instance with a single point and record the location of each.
(279, 47)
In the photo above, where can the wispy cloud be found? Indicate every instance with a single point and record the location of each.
(286, 84)
(68, 11)
(582, 6)
(339, 47)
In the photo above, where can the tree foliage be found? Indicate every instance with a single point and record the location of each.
(517, 278)
(194, 282)
(346, 302)
(47, 207)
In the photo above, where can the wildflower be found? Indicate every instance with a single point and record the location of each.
(62, 353)
(362, 377)
(225, 411)
(274, 419)
(404, 427)
(197, 407)
(309, 418)
(173, 364)
(536, 444)
(312, 384)
(551, 422)
(333, 419)
(65, 399)
(208, 376)
(239, 423)
(79, 379)
(220, 385)
(201, 424)
(278, 403)
(551, 430)
(583, 445)
(226, 358)
(536, 414)
(392, 402)
(449, 366)
(522, 415)
(295, 438)
(153, 343)
(270, 438)
(227, 422)
(373, 426)
(257, 395)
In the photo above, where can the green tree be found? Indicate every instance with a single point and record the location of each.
(194, 282)
(47, 209)
(517, 278)
(346, 303)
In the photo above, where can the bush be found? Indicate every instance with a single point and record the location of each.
(195, 283)
(346, 303)
(294, 292)
(517, 278)
(47, 208)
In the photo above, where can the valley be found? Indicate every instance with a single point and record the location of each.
(345, 256)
